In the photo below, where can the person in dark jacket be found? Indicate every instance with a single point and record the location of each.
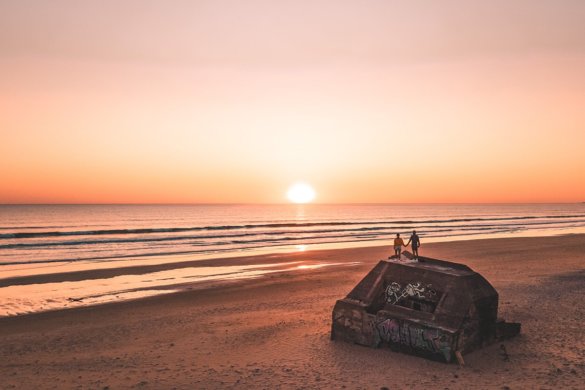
(415, 240)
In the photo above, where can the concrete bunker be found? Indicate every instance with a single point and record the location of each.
(431, 308)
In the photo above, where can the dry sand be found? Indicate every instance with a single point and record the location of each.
(273, 332)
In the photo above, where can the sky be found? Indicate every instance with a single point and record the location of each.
(230, 101)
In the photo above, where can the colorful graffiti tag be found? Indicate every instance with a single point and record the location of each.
(394, 292)
(425, 339)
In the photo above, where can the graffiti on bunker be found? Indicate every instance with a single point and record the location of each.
(415, 336)
(395, 292)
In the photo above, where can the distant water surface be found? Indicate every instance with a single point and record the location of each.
(49, 239)
(55, 233)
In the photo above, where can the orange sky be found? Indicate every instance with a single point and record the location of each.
(231, 101)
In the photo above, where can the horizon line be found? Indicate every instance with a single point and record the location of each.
(276, 203)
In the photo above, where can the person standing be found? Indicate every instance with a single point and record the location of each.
(415, 240)
(398, 244)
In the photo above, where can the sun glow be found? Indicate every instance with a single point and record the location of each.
(301, 193)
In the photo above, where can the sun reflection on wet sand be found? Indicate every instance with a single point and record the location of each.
(321, 265)
(22, 299)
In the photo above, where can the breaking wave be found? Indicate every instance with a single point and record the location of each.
(218, 229)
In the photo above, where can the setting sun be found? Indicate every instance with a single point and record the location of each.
(301, 193)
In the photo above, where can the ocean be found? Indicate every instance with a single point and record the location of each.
(56, 239)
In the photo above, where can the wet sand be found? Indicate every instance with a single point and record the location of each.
(273, 331)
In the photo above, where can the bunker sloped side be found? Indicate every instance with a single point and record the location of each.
(352, 323)
(480, 329)
(462, 268)
(367, 288)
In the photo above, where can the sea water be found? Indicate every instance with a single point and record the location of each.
(56, 239)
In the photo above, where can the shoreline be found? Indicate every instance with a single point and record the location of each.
(257, 263)
(273, 332)
(66, 250)
(235, 259)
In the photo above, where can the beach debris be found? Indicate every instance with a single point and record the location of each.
(431, 308)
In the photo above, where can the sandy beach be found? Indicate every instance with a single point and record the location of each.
(273, 331)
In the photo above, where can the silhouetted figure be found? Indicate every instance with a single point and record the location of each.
(415, 240)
